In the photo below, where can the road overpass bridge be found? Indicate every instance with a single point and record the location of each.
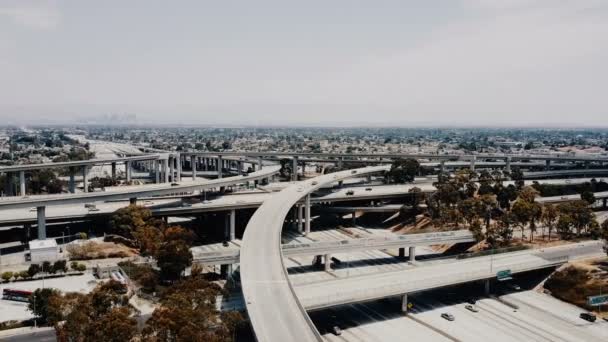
(41, 202)
(231, 255)
(342, 291)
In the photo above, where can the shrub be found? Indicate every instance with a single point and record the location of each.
(6, 276)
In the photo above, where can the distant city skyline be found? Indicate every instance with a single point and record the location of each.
(464, 63)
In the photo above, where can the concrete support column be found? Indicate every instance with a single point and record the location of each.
(604, 202)
(442, 166)
(8, 186)
(220, 162)
(179, 168)
(508, 164)
(354, 218)
(128, 170)
(473, 160)
(299, 208)
(72, 183)
(156, 172)
(133, 201)
(340, 162)
(165, 165)
(85, 178)
(547, 165)
(260, 163)
(294, 169)
(113, 170)
(402, 252)
(232, 224)
(193, 163)
(172, 169)
(487, 287)
(40, 213)
(21, 183)
(587, 165)
(303, 168)
(412, 253)
(307, 215)
(327, 262)
(225, 270)
(404, 303)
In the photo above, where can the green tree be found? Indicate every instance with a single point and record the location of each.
(173, 258)
(403, 171)
(188, 313)
(6, 276)
(39, 303)
(33, 270)
(588, 197)
(549, 218)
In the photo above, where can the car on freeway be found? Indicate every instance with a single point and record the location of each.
(174, 184)
(336, 330)
(448, 316)
(471, 308)
(588, 316)
(368, 189)
(350, 193)
(471, 301)
(353, 172)
(314, 183)
(225, 243)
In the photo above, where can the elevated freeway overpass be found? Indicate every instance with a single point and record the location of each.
(232, 256)
(342, 291)
(41, 202)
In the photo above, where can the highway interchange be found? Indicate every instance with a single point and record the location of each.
(275, 306)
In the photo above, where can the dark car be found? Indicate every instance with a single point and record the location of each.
(587, 316)
(225, 244)
(350, 193)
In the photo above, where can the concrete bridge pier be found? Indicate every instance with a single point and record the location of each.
(156, 172)
(193, 164)
(40, 214)
(225, 270)
(172, 169)
(299, 209)
(220, 164)
(232, 218)
(85, 178)
(547, 165)
(354, 218)
(442, 166)
(164, 165)
(508, 164)
(8, 184)
(178, 168)
(294, 169)
(327, 262)
(307, 215)
(604, 202)
(404, 303)
(473, 160)
(260, 162)
(21, 183)
(72, 183)
(128, 170)
(402, 252)
(412, 254)
(486, 287)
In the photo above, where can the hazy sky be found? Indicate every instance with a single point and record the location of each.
(328, 62)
